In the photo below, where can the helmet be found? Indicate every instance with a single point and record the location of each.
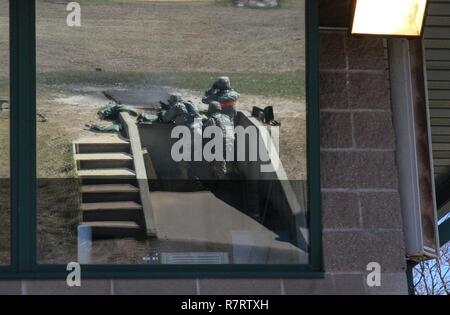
(223, 83)
(214, 107)
(174, 98)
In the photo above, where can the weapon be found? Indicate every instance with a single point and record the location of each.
(164, 106)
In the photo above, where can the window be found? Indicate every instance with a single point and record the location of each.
(174, 136)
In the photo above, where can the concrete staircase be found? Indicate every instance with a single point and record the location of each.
(110, 196)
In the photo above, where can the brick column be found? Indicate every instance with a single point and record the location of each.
(360, 200)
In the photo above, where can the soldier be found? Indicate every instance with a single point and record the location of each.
(184, 113)
(222, 92)
(175, 111)
(216, 117)
(192, 109)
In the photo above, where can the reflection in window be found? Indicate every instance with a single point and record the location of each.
(5, 221)
(172, 132)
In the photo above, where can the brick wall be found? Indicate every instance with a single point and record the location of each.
(360, 200)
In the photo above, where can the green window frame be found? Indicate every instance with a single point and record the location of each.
(23, 171)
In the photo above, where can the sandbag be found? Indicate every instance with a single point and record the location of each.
(111, 111)
(108, 128)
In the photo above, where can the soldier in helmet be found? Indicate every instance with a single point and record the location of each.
(176, 112)
(216, 117)
(179, 111)
(183, 113)
(222, 92)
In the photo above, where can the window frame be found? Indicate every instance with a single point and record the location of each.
(23, 171)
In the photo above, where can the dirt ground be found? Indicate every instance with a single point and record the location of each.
(136, 44)
(148, 36)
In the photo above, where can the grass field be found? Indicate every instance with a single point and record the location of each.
(143, 43)
(291, 84)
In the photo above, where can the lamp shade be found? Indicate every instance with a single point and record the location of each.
(389, 17)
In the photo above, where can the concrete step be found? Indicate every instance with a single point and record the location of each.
(108, 181)
(103, 160)
(109, 192)
(102, 145)
(106, 189)
(112, 211)
(111, 205)
(107, 173)
(114, 229)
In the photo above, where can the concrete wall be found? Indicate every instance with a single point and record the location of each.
(156, 138)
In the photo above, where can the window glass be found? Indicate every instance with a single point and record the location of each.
(172, 132)
(5, 211)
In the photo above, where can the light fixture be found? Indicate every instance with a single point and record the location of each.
(389, 17)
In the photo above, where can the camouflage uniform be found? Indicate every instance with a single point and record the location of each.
(176, 112)
(184, 113)
(192, 109)
(222, 92)
(216, 117)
